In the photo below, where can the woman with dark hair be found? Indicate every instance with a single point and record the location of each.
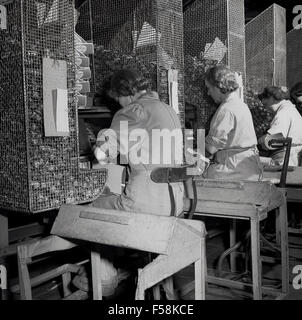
(287, 121)
(132, 135)
(231, 140)
(146, 133)
(296, 96)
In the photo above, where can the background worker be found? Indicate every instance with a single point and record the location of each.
(287, 121)
(231, 140)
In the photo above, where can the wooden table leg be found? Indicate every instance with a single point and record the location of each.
(96, 275)
(3, 231)
(284, 246)
(256, 261)
(200, 273)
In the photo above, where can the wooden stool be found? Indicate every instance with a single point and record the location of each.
(35, 248)
(178, 242)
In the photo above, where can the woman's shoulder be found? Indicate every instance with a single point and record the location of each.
(133, 110)
(286, 107)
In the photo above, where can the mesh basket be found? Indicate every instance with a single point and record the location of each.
(265, 61)
(142, 34)
(213, 33)
(38, 173)
(294, 57)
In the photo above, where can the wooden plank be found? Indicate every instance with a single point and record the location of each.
(24, 279)
(46, 276)
(104, 217)
(45, 245)
(293, 178)
(144, 232)
(12, 249)
(26, 231)
(242, 286)
(226, 208)
(3, 231)
(253, 192)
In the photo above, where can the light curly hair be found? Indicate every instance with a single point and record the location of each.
(223, 78)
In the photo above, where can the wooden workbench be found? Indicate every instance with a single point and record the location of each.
(245, 200)
(293, 183)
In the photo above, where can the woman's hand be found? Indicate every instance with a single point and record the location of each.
(100, 155)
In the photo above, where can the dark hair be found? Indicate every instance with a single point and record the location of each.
(127, 82)
(278, 93)
(223, 78)
(296, 91)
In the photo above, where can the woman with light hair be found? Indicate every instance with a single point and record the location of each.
(287, 121)
(231, 140)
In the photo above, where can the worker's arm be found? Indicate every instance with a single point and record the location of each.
(221, 125)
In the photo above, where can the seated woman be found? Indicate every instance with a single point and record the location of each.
(135, 134)
(231, 139)
(287, 121)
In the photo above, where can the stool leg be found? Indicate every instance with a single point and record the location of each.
(96, 275)
(256, 262)
(140, 289)
(24, 278)
(284, 246)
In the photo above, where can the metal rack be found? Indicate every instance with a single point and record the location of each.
(213, 33)
(38, 173)
(142, 34)
(294, 56)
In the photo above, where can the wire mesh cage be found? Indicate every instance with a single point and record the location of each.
(142, 34)
(294, 57)
(265, 60)
(38, 173)
(213, 33)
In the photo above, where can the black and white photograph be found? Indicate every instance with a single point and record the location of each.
(150, 150)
